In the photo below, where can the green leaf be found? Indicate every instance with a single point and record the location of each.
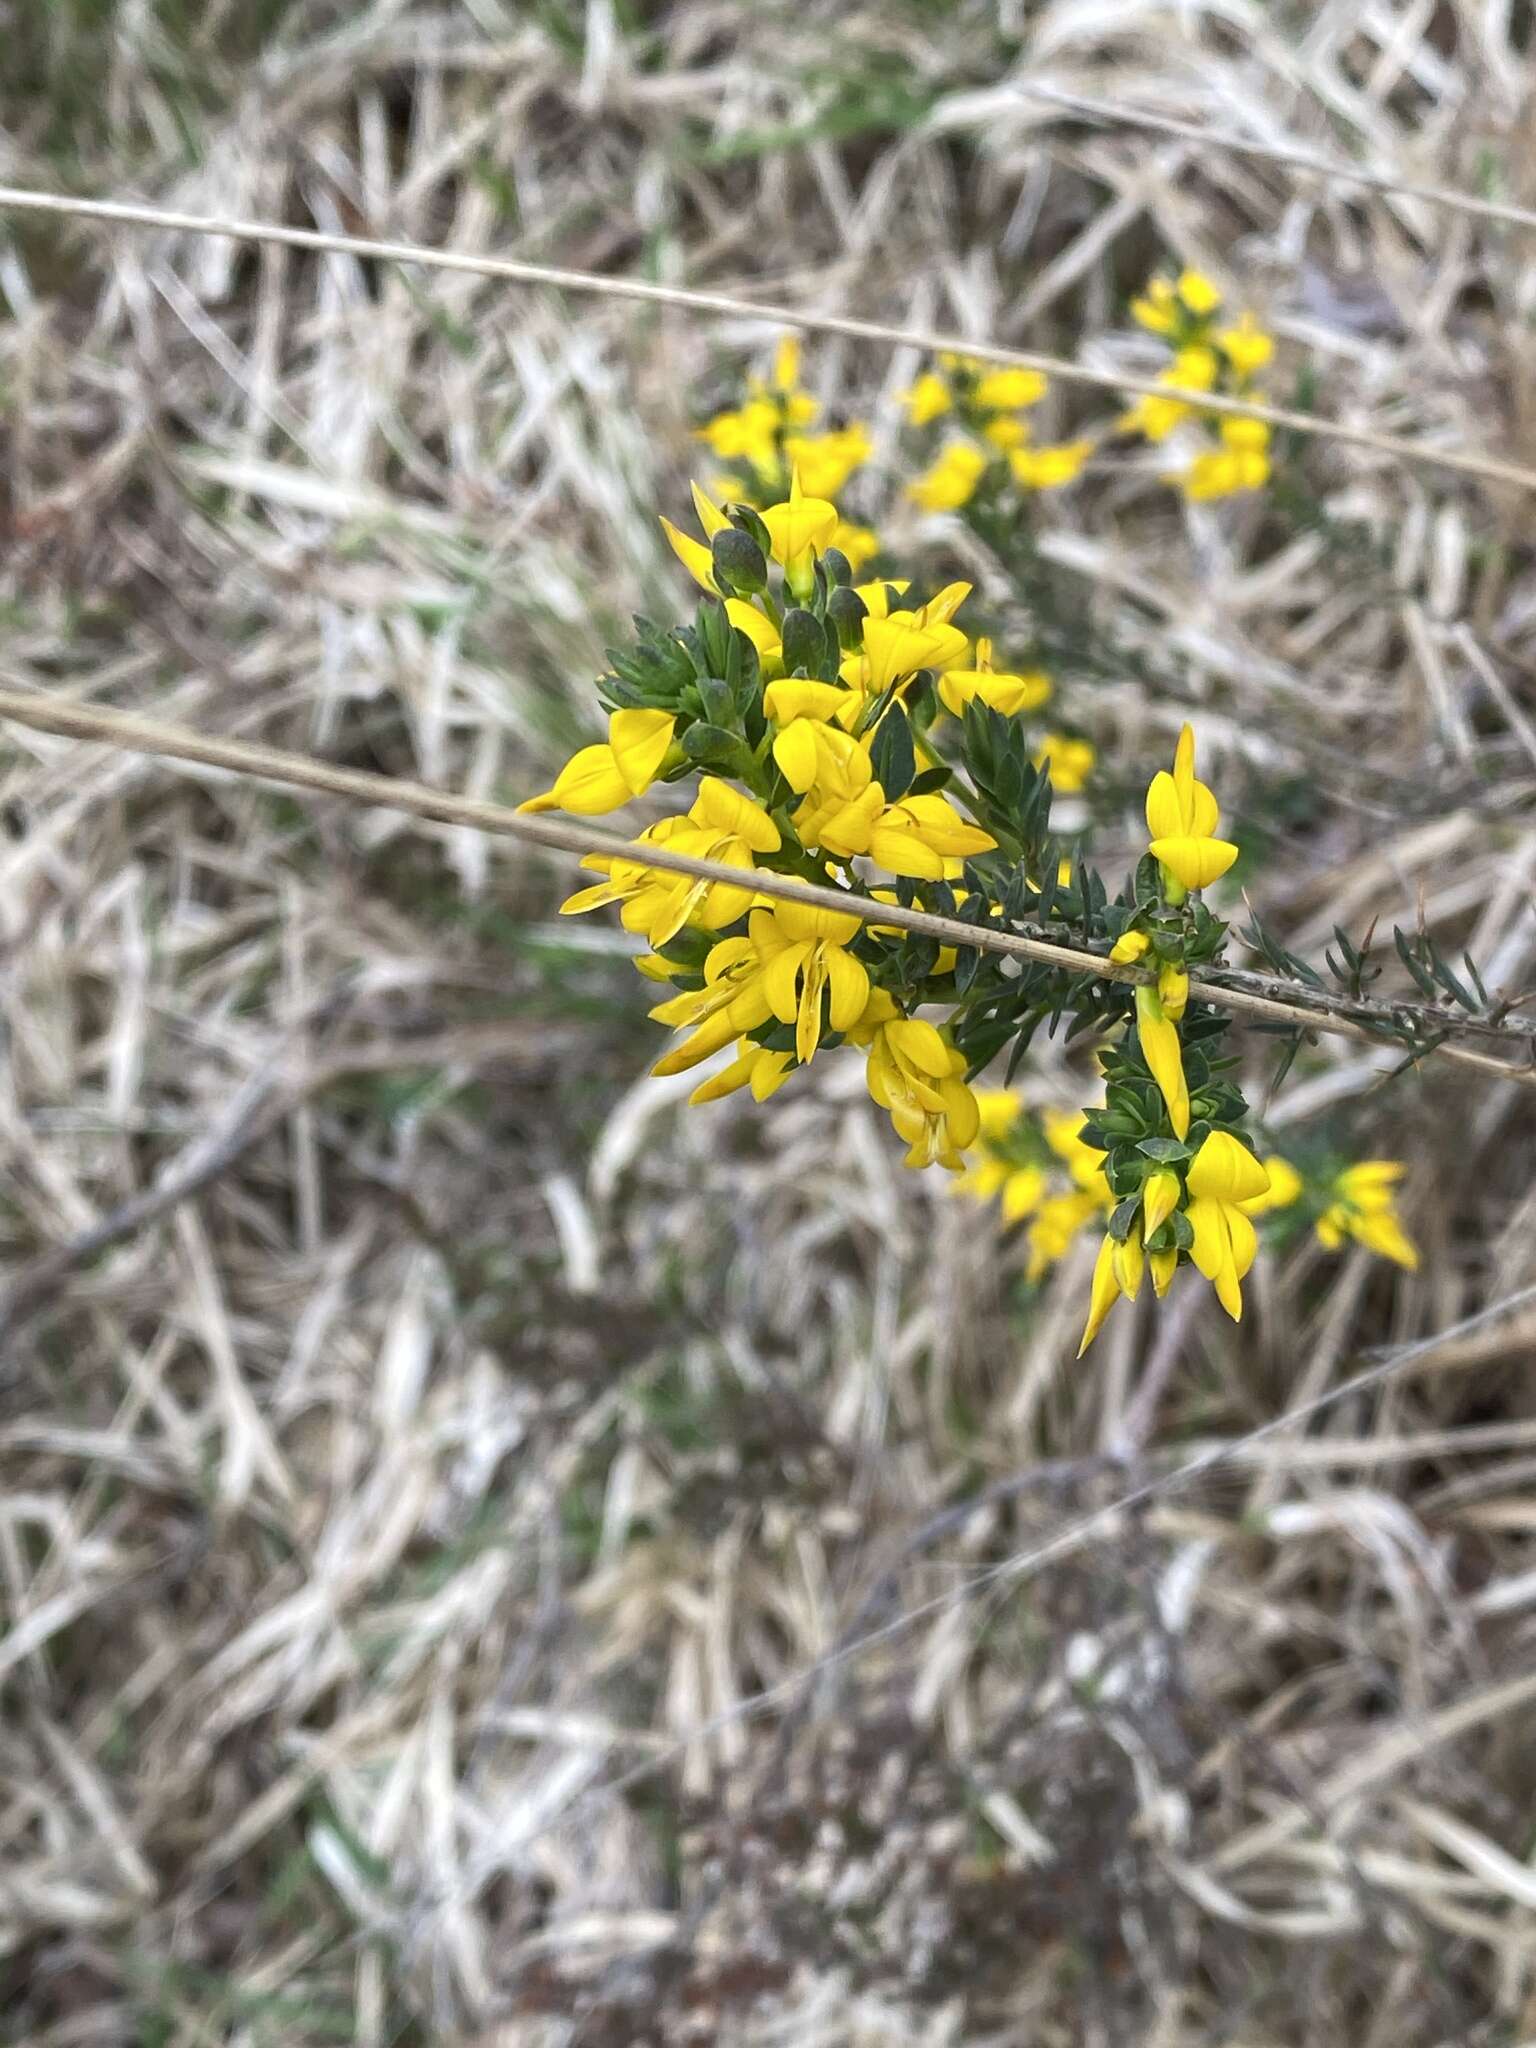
(893, 756)
(1166, 1151)
(712, 746)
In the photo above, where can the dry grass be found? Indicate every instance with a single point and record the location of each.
(451, 1430)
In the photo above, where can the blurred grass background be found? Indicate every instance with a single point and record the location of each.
(380, 1522)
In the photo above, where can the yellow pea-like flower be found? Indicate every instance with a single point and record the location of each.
(1007, 694)
(951, 480)
(804, 955)
(1285, 1187)
(925, 837)
(601, 778)
(1047, 469)
(1160, 1193)
(799, 528)
(927, 400)
(1224, 1175)
(1159, 1039)
(1070, 762)
(1009, 390)
(1364, 1207)
(754, 1067)
(1198, 293)
(693, 554)
(1182, 817)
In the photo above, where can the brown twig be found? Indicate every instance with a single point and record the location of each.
(272, 764)
(130, 214)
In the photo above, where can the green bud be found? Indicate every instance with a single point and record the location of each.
(744, 517)
(740, 565)
(715, 696)
(846, 612)
(804, 641)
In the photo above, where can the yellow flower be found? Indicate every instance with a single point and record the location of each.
(1046, 469)
(1200, 296)
(1193, 369)
(1285, 1187)
(924, 837)
(796, 700)
(732, 1003)
(1070, 762)
(601, 778)
(1057, 1223)
(1129, 947)
(1022, 1191)
(1240, 464)
(877, 595)
(1159, 1039)
(1160, 1193)
(786, 363)
(1009, 390)
(754, 1067)
(818, 758)
(1182, 817)
(859, 544)
(1364, 1207)
(1005, 432)
(799, 528)
(928, 399)
(999, 1110)
(826, 461)
(1018, 1190)
(1155, 309)
(1162, 307)
(918, 1076)
(1063, 1133)
(951, 481)
(827, 768)
(693, 554)
(898, 646)
(803, 951)
(1118, 1270)
(723, 825)
(761, 631)
(749, 435)
(1246, 346)
(1222, 1177)
(1173, 990)
(1007, 694)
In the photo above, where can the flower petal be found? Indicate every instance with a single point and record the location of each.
(848, 981)
(638, 741)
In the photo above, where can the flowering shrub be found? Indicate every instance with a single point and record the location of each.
(853, 732)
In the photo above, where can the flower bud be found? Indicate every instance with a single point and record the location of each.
(740, 565)
(804, 640)
(846, 613)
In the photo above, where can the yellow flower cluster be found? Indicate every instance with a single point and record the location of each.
(766, 440)
(1205, 356)
(809, 709)
(1362, 1204)
(1036, 1166)
(1038, 1169)
(987, 406)
(777, 978)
